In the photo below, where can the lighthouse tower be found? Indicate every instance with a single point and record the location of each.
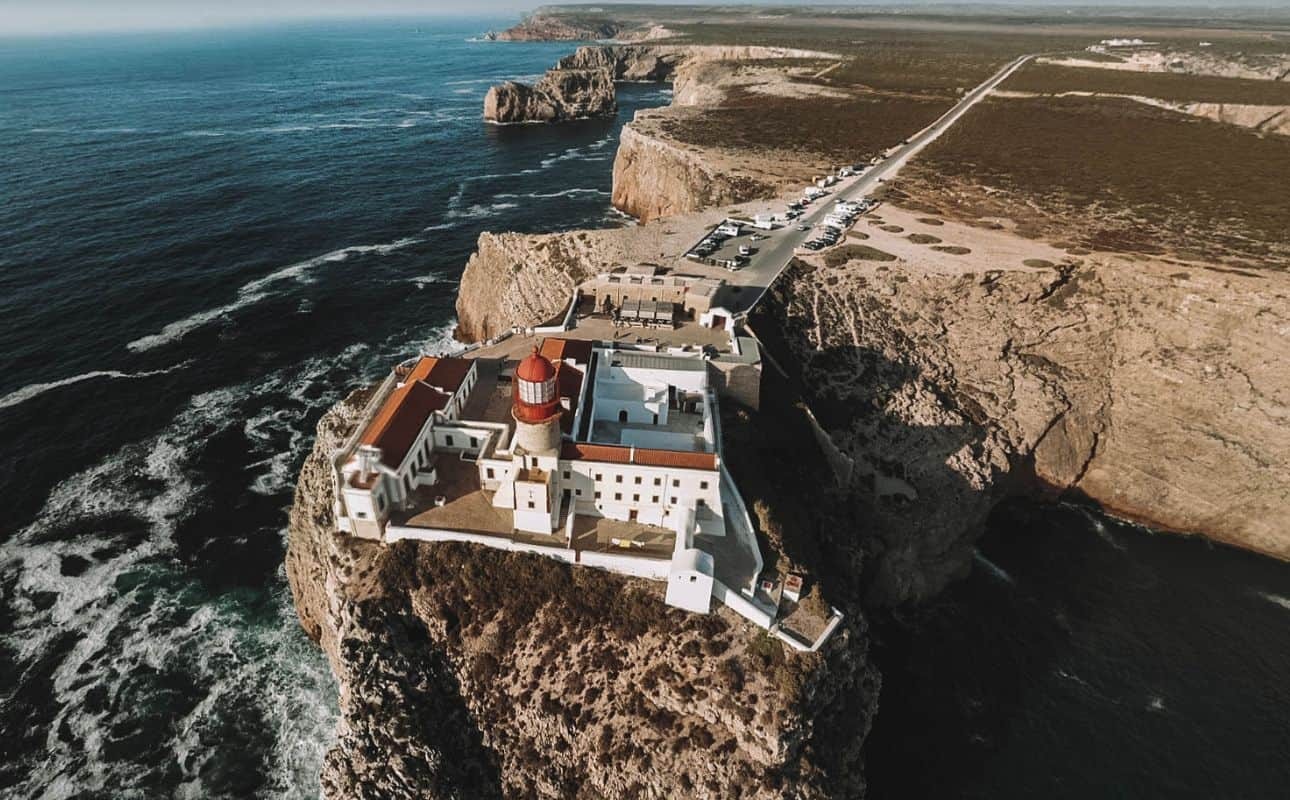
(536, 406)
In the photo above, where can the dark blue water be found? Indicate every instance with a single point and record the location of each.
(1089, 658)
(206, 239)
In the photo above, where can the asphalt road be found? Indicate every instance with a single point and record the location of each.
(775, 252)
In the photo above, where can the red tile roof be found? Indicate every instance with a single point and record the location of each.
(575, 451)
(557, 350)
(447, 374)
(676, 458)
(617, 454)
(395, 427)
(568, 383)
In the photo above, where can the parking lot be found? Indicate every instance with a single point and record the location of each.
(733, 252)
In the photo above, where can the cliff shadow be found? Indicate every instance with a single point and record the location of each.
(885, 540)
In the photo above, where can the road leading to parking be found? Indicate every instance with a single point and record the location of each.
(776, 251)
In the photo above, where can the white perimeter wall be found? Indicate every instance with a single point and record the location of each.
(655, 569)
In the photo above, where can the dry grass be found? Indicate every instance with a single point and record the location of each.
(1050, 79)
(855, 252)
(1117, 175)
(835, 131)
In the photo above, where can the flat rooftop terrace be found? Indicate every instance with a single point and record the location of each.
(469, 508)
(604, 431)
(490, 400)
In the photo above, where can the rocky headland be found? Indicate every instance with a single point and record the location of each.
(1146, 383)
(539, 27)
(468, 672)
(938, 361)
(560, 95)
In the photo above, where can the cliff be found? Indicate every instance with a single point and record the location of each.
(560, 95)
(517, 279)
(540, 27)
(655, 178)
(469, 672)
(1151, 389)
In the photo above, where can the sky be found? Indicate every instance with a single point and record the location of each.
(25, 17)
(76, 16)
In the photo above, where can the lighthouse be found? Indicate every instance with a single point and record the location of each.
(536, 406)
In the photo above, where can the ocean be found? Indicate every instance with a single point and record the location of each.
(206, 240)
(1086, 657)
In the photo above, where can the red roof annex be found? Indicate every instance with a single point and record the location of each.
(426, 389)
(617, 454)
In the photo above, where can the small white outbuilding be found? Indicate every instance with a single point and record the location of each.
(689, 581)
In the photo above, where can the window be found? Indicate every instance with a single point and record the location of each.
(361, 514)
(676, 484)
(636, 498)
(414, 468)
(597, 497)
(474, 443)
(699, 503)
(531, 504)
(618, 479)
(703, 484)
(448, 439)
(638, 480)
(566, 475)
(654, 499)
(578, 492)
(489, 472)
(533, 462)
(618, 495)
(599, 476)
(658, 481)
(673, 501)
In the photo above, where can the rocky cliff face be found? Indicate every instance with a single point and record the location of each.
(516, 279)
(654, 178)
(468, 672)
(561, 94)
(1153, 389)
(546, 28)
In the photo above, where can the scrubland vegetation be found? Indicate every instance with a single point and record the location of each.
(1052, 79)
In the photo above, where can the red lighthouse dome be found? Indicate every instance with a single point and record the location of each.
(535, 398)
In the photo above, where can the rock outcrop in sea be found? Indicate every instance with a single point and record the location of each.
(560, 95)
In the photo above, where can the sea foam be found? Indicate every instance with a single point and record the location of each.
(259, 289)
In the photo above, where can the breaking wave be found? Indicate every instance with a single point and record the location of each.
(546, 195)
(35, 390)
(255, 291)
(1276, 599)
(133, 632)
(991, 567)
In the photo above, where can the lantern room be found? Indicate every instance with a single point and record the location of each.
(535, 398)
